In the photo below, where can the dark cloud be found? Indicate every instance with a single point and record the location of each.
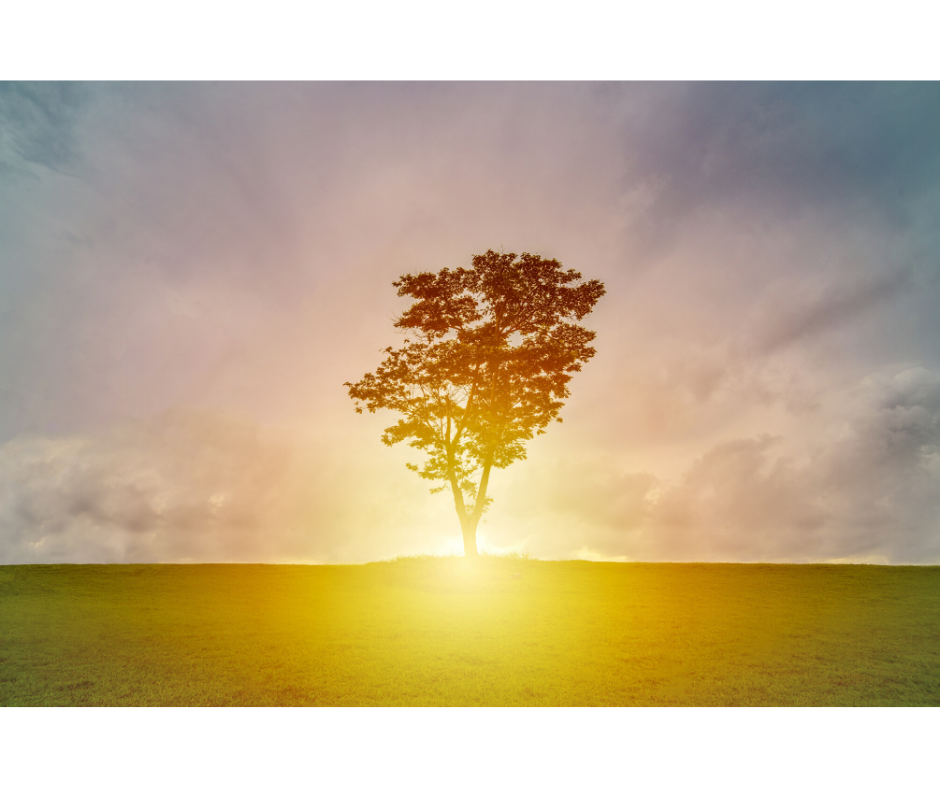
(37, 124)
(791, 147)
(835, 305)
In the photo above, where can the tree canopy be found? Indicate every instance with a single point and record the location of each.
(487, 360)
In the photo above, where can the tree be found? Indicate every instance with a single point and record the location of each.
(490, 352)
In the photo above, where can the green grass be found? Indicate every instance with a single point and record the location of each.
(444, 631)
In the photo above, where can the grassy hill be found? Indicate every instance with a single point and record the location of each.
(445, 631)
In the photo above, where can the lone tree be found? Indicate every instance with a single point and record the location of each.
(485, 368)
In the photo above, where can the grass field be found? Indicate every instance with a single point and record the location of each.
(445, 631)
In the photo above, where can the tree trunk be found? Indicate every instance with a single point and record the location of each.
(469, 540)
(467, 526)
(469, 520)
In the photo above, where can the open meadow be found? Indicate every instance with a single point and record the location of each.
(457, 632)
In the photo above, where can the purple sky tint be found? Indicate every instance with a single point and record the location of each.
(189, 273)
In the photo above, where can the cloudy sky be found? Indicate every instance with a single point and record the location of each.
(190, 272)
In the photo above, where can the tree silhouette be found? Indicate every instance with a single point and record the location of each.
(486, 366)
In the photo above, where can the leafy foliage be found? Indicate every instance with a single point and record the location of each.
(485, 367)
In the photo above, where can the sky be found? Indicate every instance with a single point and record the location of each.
(189, 272)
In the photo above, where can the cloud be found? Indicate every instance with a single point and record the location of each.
(229, 248)
(195, 485)
(560, 506)
(37, 124)
(872, 488)
(790, 148)
(198, 486)
(797, 316)
(186, 486)
(869, 490)
(737, 502)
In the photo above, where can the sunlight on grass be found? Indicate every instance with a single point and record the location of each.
(445, 630)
